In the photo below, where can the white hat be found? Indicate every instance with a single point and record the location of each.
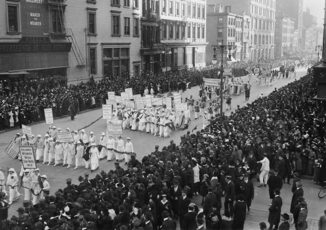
(103, 134)
(37, 169)
(91, 132)
(11, 170)
(53, 127)
(83, 130)
(46, 135)
(67, 129)
(128, 138)
(44, 176)
(26, 170)
(92, 144)
(39, 135)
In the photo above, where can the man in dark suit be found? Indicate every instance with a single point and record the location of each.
(296, 195)
(229, 197)
(175, 195)
(274, 182)
(190, 218)
(239, 213)
(275, 211)
(168, 223)
(209, 201)
(184, 202)
(249, 191)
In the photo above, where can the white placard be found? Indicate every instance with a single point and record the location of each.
(28, 158)
(157, 101)
(48, 116)
(114, 127)
(148, 99)
(107, 112)
(27, 130)
(128, 91)
(168, 102)
(182, 107)
(212, 82)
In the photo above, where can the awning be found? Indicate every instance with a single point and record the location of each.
(14, 73)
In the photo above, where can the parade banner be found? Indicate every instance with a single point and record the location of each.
(27, 130)
(12, 149)
(111, 95)
(177, 98)
(130, 104)
(65, 137)
(168, 102)
(112, 102)
(118, 99)
(136, 96)
(128, 91)
(148, 99)
(124, 96)
(107, 111)
(182, 107)
(157, 101)
(48, 116)
(28, 158)
(114, 127)
(212, 82)
(139, 103)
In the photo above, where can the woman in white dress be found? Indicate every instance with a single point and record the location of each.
(94, 157)
(120, 149)
(102, 144)
(27, 185)
(133, 121)
(148, 123)
(46, 149)
(39, 147)
(167, 129)
(12, 183)
(142, 122)
(51, 150)
(111, 148)
(71, 154)
(58, 153)
(79, 155)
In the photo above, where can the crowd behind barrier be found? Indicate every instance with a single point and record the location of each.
(285, 129)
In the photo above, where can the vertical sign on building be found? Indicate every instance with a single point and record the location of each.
(35, 18)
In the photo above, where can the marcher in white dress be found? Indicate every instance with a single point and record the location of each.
(58, 153)
(71, 154)
(94, 157)
(120, 149)
(27, 185)
(12, 183)
(142, 123)
(36, 188)
(51, 150)
(102, 144)
(46, 149)
(110, 148)
(129, 149)
(79, 155)
(39, 147)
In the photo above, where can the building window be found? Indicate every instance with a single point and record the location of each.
(164, 31)
(136, 27)
(57, 20)
(189, 10)
(135, 4)
(116, 62)
(115, 25)
(219, 33)
(203, 32)
(177, 33)
(91, 1)
(183, 32)
(92, 60)
(203, 13)
(194, 32)
(177, 9)
(164, 6)
(170, 31)
(115, 3)
(170, 7)
(91, 22)
(126, 3)
(136, 69)
(127, 26)
(194, 11)
(198, 12)
(198, 32)
(13, 25)
(189, 31)
(183, 10)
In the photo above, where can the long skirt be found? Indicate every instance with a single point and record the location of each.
(103, 153)
(110, 155)
(39, 154)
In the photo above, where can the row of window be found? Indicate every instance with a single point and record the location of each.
(260, 24)
(176, 8)
(174, 31)
(262, 39)
(126, 3)
(116, 29)
(256, 10)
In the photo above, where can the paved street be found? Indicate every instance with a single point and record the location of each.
(144, 144)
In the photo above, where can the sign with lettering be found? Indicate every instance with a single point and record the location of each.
(65, 137)
(168, 102)
(48, 116)
(111, 95)
(114, 127)
(177, 98)
(28, 158)
(212, 82)
(128, 91)
(107, 112)
(35, 18)
(12, 149)
(27, 130)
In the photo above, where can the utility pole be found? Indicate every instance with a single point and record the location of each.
(323, 58)
(221, 75)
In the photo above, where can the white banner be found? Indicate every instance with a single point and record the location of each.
(177, 98)
(182, 107)
(114, 127)
(128, 91)
(48, 116)
(111, 95)
(27, 130)
(107, 111)
(148, 99)
(157, 101)
(168, 102)
(28, 158)
(212, 82)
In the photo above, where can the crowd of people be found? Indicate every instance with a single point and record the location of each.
(281, 136)
(24, 102)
